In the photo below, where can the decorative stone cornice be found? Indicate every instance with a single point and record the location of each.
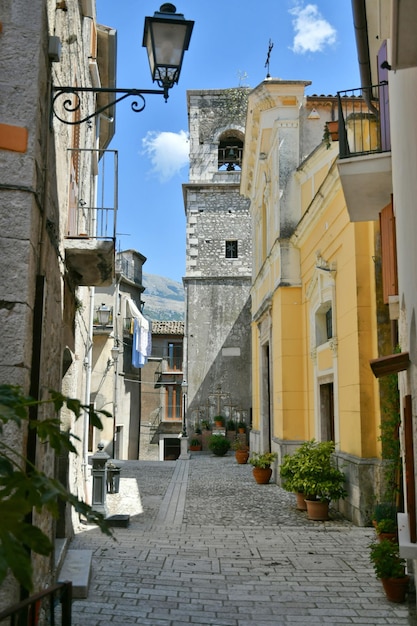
(333, 344)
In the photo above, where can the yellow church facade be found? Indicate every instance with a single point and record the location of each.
(315, 291)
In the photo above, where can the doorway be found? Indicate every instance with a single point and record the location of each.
(327, 412)
(266, 433)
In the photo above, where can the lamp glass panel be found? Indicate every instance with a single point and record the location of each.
(149, 49)
(169, 42)
(103, 315)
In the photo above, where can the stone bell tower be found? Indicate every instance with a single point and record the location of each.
(217, 355)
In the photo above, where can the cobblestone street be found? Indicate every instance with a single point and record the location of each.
(206, 545)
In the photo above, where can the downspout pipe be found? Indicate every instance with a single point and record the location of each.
(362, 47)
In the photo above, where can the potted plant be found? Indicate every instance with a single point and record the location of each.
(195, 445)
(241, 451)
(389, 567)
(387, 529)
(383, 510)
(231, 425)
(261, 463)
(219, 445)
(241, 426)
(205, 424)
(197, 429)
(219, 421)
(290, 471)
(333, 128)
(322, 481)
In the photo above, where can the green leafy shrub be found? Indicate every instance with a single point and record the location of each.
(321, 479)
(386, 560)
(263, 460)
(384, 510)
(386, 526)
(219, 445)
(239, 444)
(23, 487)
(292, 466)
(311, 470)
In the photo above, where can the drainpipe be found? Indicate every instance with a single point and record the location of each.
(115, 355)
(362, 47)
(87, 399)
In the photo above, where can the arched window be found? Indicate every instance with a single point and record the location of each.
(230, 151)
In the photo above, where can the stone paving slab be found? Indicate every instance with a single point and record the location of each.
(234, 553)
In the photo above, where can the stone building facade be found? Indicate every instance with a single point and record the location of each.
(217, 345)
(115, 382)
(51, 258)
(162, 395)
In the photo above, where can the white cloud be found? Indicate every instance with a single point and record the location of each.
(312, 32)
(168, 152)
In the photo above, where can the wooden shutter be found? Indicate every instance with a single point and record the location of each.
(389, 253)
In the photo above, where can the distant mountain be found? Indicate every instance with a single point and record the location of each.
(163, 297)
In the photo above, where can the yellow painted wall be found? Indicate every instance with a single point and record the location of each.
(350, 247)
(324, 235)
(311, 185)
(324, 360)
(287, 364)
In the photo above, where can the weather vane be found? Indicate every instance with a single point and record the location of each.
(268, 57)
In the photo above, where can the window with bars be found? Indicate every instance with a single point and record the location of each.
(231, 249)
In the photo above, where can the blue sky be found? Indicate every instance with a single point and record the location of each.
(311, 41)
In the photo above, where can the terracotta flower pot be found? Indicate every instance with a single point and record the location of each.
(242, 456)
(301, 502)
(395, 588)
(317, 510)
(390, 536)
(333, 130)
(262, 475)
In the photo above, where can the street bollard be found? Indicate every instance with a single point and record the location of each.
(99, 460)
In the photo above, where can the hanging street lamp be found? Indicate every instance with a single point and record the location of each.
(166, 37)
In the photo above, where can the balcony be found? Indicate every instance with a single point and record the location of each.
(171, 365)
(129, 269)
(91, 228)
(365, 151)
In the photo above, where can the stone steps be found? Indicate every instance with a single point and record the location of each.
(76, 568)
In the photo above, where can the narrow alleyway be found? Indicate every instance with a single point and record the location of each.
(206, 545)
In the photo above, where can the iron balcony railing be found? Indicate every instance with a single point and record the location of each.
(129, 270)
(93, 194)
(51, 606)
(364, 125)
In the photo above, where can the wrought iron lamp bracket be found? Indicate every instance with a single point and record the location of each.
(70, 106)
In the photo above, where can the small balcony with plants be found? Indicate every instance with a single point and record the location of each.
(365, 150)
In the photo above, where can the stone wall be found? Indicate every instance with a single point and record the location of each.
(217, 288)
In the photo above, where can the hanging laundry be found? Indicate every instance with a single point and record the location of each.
(142, 336)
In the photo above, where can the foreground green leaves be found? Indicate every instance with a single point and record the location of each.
(24, 489)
